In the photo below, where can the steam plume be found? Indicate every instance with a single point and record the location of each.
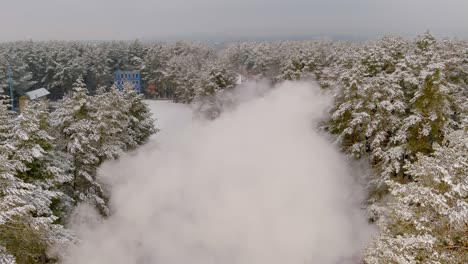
(259, 185)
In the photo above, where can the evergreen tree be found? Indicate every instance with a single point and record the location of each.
(214, 79)
(26, 222)
(141, 123)
(14, 193)
(6, 119)
(426, 221)
(78, 137)
(182, 73)
(68, 67)
(136, 53)
(369, 110)
(112, 124)
(431, 111)
(153, 70)
(32, 142)
(22, 77)
(98, 71)
(6, 258)
(117, 56)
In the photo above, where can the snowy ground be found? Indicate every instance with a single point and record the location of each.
(171, 117)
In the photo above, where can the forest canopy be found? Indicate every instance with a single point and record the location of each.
(400, 105)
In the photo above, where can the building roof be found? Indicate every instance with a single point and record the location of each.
(41, 92)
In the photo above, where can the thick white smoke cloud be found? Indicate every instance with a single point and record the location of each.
(259, 185)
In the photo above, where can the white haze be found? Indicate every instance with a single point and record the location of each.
(260, 185)
(226, 19)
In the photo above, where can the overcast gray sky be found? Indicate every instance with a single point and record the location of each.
(120, 19)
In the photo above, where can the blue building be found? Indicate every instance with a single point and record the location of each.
(133, 77)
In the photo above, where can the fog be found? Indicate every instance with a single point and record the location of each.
(172, 19)
(260, 185)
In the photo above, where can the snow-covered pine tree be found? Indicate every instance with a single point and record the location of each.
(5, 257)
(32, 141)
(112, 124)
(98, 71)
(12, 189)
(426, 221)
(431, 110)
(40, 163)
(117, 56)
(6, 119)
(34, 55)
(429, 93)
(298, 61)
(27, 225)
(215, 79)
(306, 59)
(369, 109)
(136, 53)
(263, 60)
(141, 122)
(50, 65)
(253, 59)
(78, 138)
(69, 65)
(154, 67)
(237, 55)
(182, 73)
(25, 217)
(22, 77)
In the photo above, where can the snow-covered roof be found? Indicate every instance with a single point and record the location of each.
(41, 92)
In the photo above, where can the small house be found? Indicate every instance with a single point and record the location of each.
(38, 94)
